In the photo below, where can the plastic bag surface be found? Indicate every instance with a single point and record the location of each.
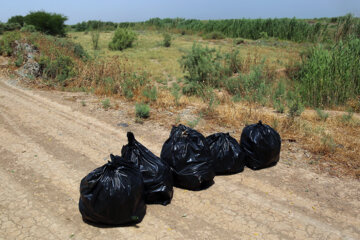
(156, 173)
(188, 154)
(261, 144)
(228, 156)
(113, 194)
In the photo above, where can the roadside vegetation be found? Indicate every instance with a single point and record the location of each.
(300, 76)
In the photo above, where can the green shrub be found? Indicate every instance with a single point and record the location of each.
(28, 28)
(167, 40)
(142, 110)
(202, 65)
(7, 42)
(49, 23)
(12, 26)
(106, 103)
(79, 51)
(19, 60)
(60, 68)
(123, 38)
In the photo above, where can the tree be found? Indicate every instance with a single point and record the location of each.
(17, 19)
(49, 23)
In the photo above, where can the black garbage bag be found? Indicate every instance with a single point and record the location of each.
(156, 173)
(190, 159)
(227, 154)
(113, 194)
(261, 144)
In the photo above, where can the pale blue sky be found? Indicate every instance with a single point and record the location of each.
(140, 10)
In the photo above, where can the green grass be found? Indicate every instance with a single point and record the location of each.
(142, 110)
(106, 103)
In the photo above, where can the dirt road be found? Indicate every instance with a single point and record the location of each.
(47, 147)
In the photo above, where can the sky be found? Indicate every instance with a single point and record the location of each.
(141, 10)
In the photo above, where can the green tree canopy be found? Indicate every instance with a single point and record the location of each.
(49, 23)
(17, 19)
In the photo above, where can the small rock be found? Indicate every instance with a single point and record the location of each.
(122, 125)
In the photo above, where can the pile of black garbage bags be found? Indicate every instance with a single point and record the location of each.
(117, 193)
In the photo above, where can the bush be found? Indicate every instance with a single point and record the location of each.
(28, 28)
(79, 51)
(19, 60)
(106, 103)
(7, 43)
(142, 110)
(202, 65)
(60, 68)
(49, 23)
(167, 40)
(12, 26)
(123, 38)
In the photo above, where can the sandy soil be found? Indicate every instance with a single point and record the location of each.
(49, 141)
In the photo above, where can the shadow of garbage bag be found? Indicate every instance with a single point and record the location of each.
(189, 157)
(156, 174)
(113, 194)
(261, 144)
(228, 156)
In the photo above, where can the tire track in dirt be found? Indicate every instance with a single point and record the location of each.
(238, 206)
